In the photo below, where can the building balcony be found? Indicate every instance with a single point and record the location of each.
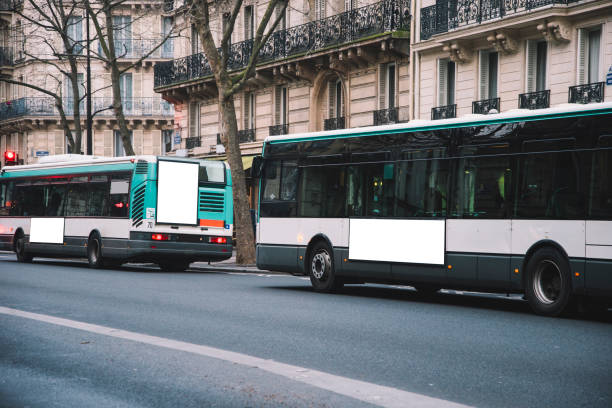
(334, 123)
(535, 100)
(587, 93)
(486, 106)
(101, 107)
(385, 116)
(137, 48)
(192, 142)
(246, 135)
(304, 41)
(444, 112)
(277, 130)
(6, 57)
(448, 15)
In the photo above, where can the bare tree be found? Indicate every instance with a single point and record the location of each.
(228, 84)
(101, 13)
(54, 52)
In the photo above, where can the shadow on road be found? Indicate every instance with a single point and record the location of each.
(482, 301)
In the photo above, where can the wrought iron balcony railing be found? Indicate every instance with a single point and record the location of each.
(192, 142)
(385, 116)
(448, 15)
(246, 135)
(6, 57)
(444, 112)
(45, 106)
(485, 106)
(535, 100)
(277, 130)
(334, 123)
(587, 93)
(378, 18)
(131, 48)
(10, 5)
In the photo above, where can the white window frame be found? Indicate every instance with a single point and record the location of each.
(118, 143)
(582, 52)
(483, 74)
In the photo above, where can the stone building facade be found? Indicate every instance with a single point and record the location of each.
(29, 123)
(475, 56)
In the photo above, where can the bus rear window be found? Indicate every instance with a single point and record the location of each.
(212, 172)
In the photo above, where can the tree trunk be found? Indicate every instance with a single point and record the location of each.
(245, 239)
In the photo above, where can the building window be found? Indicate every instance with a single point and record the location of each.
(249, 23)
(69, 94)
(446, 82)
(386, 92)
(119, 150)
(248, 110)
(281, 106)
(194, 119)
(488, 74)
(282, 24)
(336, 103)
(195, 41)
(122, 35)
(166, 142)
(536, 65)
(167, 48)
(589, 40)
(125, 87)
(74, 30)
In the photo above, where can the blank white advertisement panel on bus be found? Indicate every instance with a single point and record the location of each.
(47, 230)
(177, 192)
(410, 241)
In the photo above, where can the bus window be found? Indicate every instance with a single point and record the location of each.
(28, 199)
(600, 190)
(549, 185)
(271, 180)
(211, 172)
(119, 195)
(6, 194)
(422, 184)
(289, 179)
(483, 176)
(322, 192)
(98, 196)
(55, 197)
(370, 189)
(78, 196)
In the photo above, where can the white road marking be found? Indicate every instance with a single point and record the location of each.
(375, 394)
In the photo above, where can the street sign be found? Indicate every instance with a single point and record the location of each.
(41, 153)
(177, 138)
(609, 76)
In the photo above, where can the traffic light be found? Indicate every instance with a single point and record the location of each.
(10, 158)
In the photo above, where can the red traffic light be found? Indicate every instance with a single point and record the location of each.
(10, 156)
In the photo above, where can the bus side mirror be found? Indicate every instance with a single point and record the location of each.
(257, 167)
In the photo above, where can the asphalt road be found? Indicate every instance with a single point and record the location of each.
(477, 350)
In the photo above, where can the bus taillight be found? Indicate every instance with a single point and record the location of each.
(159, 237)
(218, 240)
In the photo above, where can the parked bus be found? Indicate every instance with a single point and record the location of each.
(517, 202)
(169, 211)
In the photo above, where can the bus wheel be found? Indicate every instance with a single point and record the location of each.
(173, 266)
(549, 286)
(322, 275)
(94, 252)
(20, 250)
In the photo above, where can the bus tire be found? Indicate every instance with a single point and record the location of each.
(94, 252)
(321, 269)
(173, 266)
(20, 250)
(549, 286)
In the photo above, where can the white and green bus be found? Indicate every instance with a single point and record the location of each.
(169, 211)
(517, 202)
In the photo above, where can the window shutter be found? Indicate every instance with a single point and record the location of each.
(277, 105)
(594, 44)
(532, 47)
(284, 105)
(319, 9)
(442, 82)
(391, 86)
(484, 74)
(194, 119)
(332, 99)
(582, 56)
(381, 86)
(247, 111)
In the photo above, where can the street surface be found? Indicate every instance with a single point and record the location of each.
(137, 337)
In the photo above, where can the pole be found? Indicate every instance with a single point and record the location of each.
(89, 117)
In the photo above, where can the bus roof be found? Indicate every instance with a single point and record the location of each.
(515, 115)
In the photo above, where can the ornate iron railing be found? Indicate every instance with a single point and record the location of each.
(168, 5)
(246, 135)
(6, 57)
(448, 15)
(587, 93)
(279, 130)
(385, 116)
(334, 123)
(10, 5)
(378, 18)
(444, 112)
(485, 106)
(137, 48)
(45, 106)
(192, 142)
(535, 100)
